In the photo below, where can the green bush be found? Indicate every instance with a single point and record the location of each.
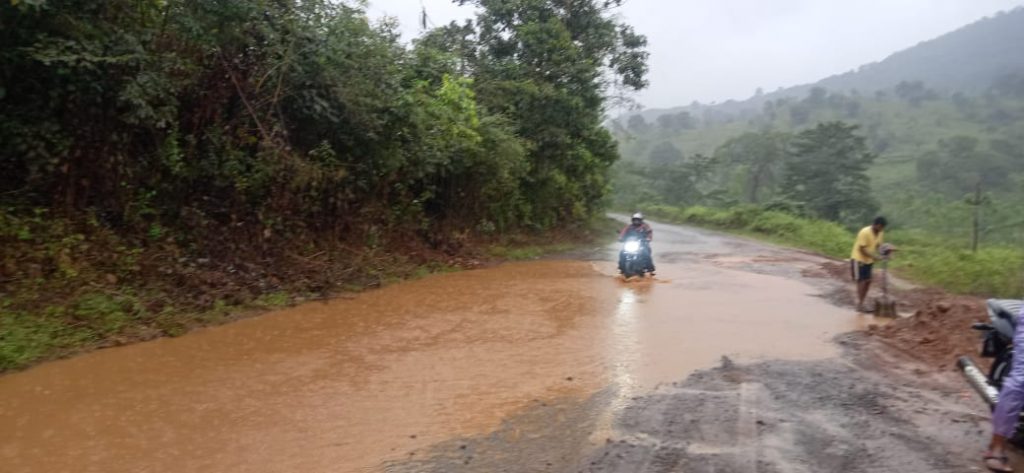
(197, 148)
(991, 272)
(24, 338)
(775, 223)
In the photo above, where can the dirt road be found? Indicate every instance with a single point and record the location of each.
(728, 361)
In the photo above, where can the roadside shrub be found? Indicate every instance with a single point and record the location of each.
(699, 215)
(775, 223)
(994, 271)
(991, 272)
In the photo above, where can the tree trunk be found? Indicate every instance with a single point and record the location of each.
(977, 218)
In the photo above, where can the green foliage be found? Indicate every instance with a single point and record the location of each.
(757, 159)
(665, 154)
(685, 181)
(25, 337)
(821, 171)
(994, 271)
(540, 63)
(929, 155)
(826, 173)
(87, 319)
(226, 132)
(934, 142)
(637, 124)
(290, 115)
(676, 122)
(991, 272)
(522, 253)
(827, 238)
(272, 300)
(958, 165)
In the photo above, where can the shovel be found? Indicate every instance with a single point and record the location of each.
(885, 306)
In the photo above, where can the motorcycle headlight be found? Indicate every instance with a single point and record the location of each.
(632, 246)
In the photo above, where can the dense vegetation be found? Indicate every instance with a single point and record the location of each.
(934, 155)
(989, 271)
(164, 158)
(945, 165)
(948, 171)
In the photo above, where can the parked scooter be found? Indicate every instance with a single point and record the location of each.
(997, 343)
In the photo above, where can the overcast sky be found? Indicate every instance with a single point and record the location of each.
(714, 50)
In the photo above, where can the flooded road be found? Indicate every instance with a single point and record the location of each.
(522, 353)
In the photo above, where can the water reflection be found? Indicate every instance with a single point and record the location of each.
(624, 340)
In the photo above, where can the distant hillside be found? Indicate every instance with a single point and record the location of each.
(966, 60)
(944, 119)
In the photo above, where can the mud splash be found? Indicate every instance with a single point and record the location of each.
(356, 384)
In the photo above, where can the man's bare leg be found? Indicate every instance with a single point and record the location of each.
(862, 293)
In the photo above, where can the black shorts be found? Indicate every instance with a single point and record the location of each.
(860, 271)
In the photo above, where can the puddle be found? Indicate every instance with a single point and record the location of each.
(353, 384)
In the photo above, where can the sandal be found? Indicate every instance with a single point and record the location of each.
(1003, 466)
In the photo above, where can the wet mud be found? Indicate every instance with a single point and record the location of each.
(798, 416)
(336, 386)
(553, 365)
(865, 412)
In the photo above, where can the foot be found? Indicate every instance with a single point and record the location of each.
(864, 310)
(997, 463)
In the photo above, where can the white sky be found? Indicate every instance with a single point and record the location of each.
(714, 50)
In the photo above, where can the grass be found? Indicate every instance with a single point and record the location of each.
(63, 292)
(994, 271)
(600, 229)
(528, 252)
(272, 300)
(87, 320)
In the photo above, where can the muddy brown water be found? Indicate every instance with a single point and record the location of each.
(358, 383)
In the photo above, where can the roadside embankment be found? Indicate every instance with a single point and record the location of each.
(992, 271)
(68, 287)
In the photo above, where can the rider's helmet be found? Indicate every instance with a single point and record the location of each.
(638, 218)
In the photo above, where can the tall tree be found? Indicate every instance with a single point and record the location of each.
(760, 158)
(685, 121)
(551, 66)
(665, 154)
(638, 124)
(959, 163)
(826, 173)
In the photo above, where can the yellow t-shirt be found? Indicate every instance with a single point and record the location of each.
(868, 239)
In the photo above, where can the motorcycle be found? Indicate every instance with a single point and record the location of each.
(635, 256)
(997, 343)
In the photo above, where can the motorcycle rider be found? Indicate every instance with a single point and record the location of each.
(641, 231)
(1007, 412)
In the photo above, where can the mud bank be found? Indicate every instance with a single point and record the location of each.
(866, 411)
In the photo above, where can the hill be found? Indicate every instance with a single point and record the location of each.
(966, 60)
(943, 121)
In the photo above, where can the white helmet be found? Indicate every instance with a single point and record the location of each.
(638, 215)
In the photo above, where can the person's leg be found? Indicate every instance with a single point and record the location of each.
(863, 274)
(650, 258)
(622, 262)
(865, 291)
(1007, 412)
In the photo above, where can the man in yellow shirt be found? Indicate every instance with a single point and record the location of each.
(865, 252)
